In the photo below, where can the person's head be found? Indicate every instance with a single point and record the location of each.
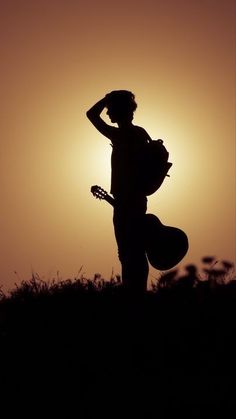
(121, 105)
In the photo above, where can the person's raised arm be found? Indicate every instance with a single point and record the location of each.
(93, 115)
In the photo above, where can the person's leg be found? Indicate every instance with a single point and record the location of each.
(135, 273)
(129, 232)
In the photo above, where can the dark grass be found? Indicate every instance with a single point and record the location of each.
(83, 348)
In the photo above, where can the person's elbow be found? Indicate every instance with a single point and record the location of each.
(89, 114)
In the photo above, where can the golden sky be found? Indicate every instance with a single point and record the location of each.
(58, 57)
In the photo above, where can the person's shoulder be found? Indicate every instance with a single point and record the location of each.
(142, 133)
(140, 129)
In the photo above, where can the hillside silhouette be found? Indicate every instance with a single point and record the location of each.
(84, 348)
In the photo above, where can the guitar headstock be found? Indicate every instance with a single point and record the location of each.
(98, 192)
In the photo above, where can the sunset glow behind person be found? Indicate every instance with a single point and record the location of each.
(57, 58)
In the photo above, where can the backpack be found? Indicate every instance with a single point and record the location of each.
(155, 166)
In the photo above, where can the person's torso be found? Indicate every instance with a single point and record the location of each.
(126, 160)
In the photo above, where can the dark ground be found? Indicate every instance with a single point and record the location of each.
(82, 352)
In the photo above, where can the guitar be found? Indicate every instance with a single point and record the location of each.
(165, 246)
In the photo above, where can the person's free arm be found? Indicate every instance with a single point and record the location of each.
(93, 115)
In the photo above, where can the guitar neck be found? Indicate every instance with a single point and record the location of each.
(100, 193)
(110, 200)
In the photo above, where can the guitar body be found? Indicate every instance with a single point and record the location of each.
(165, 246)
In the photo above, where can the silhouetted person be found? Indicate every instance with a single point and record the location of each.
(130, 207)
